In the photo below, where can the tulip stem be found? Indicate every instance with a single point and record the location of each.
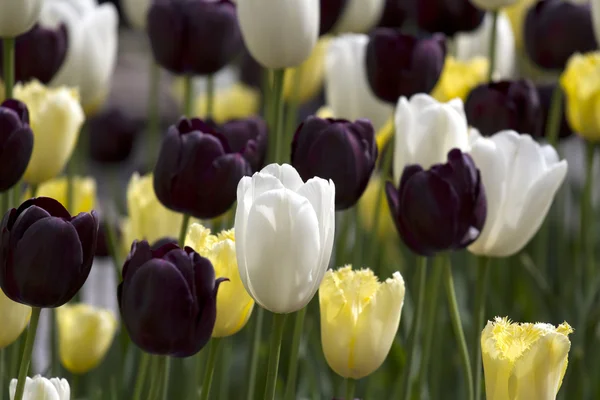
(166, 376)
(213, 351)
(183, 231)
(8, 58)
(586, 216)
(26, 360)
(34, 190)
(274, 353)
(188, 96)
(210, 96)
(492, 49)
(458, 328)
(290, 387)
(554, 117)
(277, 131)
(141, 376)
(350, 388)
(254, 353)
(483, 274)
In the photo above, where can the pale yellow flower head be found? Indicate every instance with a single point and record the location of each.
(581, 83)
(304, 82)
(14, 318)
(84, 193)
(85, 334)
(234, 304)
(524, 361)
(359, 319)
(460, 77)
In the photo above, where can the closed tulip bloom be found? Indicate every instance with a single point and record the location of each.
(55, 118)
(524, 361)
(284, 232)
(249, 138)
(16, 142)
(168, 299)
(279, 34)
(440, 209)
(112, 135)
(136, 12)
(14, 318)
(331, 10)
(304, 82)
(360, 16)
(85, 334)
(18, 17)
(359, 319)
(237, 101)
(460, 77)
(394, 14)
(521, 178)
(448, 16)
(38, 388)
(492, 5)
(45, 254)
(197, 173)
(402, 65)
(84, 192)
(557, 29)
(347, 89)
(503, 105)
(340, 150)
(545, 93)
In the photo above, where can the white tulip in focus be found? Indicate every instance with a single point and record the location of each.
(477, 44)
(284, 231)
(282, 33)
(92, 51)
(17, 17)
(347, 90)
(40, 388)
(520, 177)
(136, 12)
(492, 5)
(426, 130)
(360, 16)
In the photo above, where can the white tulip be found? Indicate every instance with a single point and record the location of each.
(492, 5)
(40, 388)
(346, 87)
(477, 43)
(360, 16)
(520, 177)
(282, 33)
(284, 231)
(17, 17)
(426, 130)
(596, 18)
(136, 12)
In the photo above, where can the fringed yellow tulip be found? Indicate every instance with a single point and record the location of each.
(359, 319)
(85, 334)
(303, 83)
(234, 102)
(84, 193)
(234, 304)
(524, 361)
(460, 77)
(581, 83)
(14, 317)
(367, 206)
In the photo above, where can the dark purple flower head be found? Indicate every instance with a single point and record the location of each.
(194, 37)
(394, 14)
(168, 299)
(497, 106)
(545, 93)
(342, 151)
(197, 173)
(248, 137)
(443, 208)
(16, 142)
(331, 10)
(448, 16)
(554, 30)
(112, 136)
(45, 254)
(399, 64)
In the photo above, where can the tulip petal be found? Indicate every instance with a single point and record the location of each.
(286, 174)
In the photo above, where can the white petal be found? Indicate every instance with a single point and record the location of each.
(18, 17)
(405, 136)
(62, 388)
(286, 174)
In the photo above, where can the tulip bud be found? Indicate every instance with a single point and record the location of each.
(112, 136)
(84, 192)
(249, 138)
(394, 14)
(440, 209)
(339, 150)
(498, 106)
(136, 12)
(178, 287)
(521, 178)
(524, 361)
(279, 34)
(402, 65)
(460, 77)
(14, 318)
(284, 233)
(352, 304)
(45, 254)
(545, 93)
(42, 388)
(557, 29)
(360, 16)
(194, 37)
(85, 334)
(16, 142)
(18, 17)
(331, 10)
(448, 16)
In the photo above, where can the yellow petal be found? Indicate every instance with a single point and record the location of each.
(14, 317)
(460, 77)
(84, 193)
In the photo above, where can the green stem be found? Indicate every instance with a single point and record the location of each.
(17, 194)
(166, 376)
(183, 231)
(141, 377)
(342, 237)
(458, 329)
(483, 277)
(54, 358)
(277, 129)
(213, 351)
(350, 389)
(274, 353)
(210, 96)
(8, 54)
(113, 251)
(34, 190)
(157, 369)
(188, 96)
(554, 116)
(254, 353)
(357, 260)
(492, 49)
(5, 201)
(585, 223)
(26, 360)
(153, 113)
(290, 388)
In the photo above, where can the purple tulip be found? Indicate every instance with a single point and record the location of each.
(448, 16)
(45, 254)
(112, 136)
(394, 14)
(16, 142)
(443, 208)
(168, 299)
(331, 10)
(249, 138)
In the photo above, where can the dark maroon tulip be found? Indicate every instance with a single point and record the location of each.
(112, 136)
(39, 53)
(504, 105)
(336, 149)
(249, 138)
(399, 64)
(251, 72)
(168, 299)
(197, 173)
(448, 16)
(395, 12)
(545, 93)
(555, 30)
(194, 37)
(45, 254)
(16, 142)
(443, 208)
(331, 10)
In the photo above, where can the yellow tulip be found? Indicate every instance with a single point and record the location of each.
(304, 82)
(460, 77)
(234, 304)
(55, 117)
(85, 334)
(581, 84)
(234, 102)
(84, 193)
(14, 317)
(359, 319)
(524, 361)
